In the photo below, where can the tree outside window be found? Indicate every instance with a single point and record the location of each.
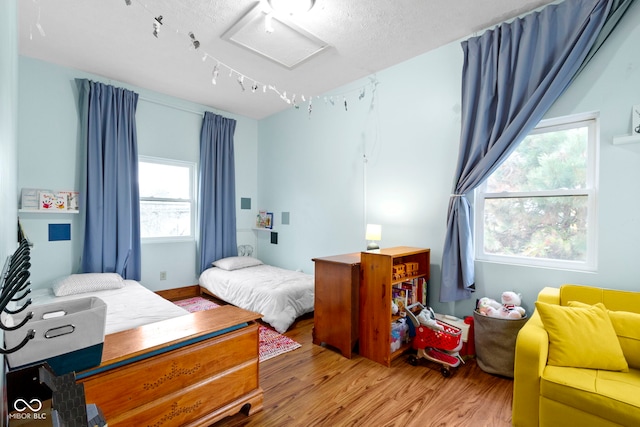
(538, 207)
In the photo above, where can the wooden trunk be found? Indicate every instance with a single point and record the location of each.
(191, 370)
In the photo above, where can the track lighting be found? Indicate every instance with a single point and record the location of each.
(216, 70)
(157, 22)
(278, 9)
(196, 43)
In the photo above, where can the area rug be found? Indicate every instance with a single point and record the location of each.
(272, 343)
(196, 304)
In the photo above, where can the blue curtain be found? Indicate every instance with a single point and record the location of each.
(217, 186)
(510, 78)
(111, 204)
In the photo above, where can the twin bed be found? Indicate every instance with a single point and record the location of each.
(279, 295)
(162, 364)
(129, 304)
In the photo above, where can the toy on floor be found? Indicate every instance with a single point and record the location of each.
(436, 341)
(509, 309)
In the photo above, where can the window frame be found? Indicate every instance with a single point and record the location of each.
(192, 166)
(590, 264)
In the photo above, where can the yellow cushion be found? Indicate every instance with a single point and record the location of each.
(611, 395)
(627, 327)
(581, 337)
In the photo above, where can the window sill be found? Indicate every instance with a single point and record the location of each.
(542, 265)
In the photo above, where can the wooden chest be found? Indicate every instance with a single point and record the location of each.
(192, 370)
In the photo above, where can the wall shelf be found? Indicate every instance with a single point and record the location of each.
(263, 229)
(626, 139)
(49, 211)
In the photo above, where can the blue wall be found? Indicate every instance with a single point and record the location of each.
(313, 167)
(50, 156)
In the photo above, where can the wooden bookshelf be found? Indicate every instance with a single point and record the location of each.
(376, 293)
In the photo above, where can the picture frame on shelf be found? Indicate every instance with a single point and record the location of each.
(261, 219)
(30, 199)
(268, 223)
(48, 200)
(72, 199)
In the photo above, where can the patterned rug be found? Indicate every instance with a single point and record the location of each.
(272, 343)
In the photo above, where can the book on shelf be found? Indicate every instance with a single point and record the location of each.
(422, 285)
(401, 297)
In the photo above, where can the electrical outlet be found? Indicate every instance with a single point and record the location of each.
(163, 275)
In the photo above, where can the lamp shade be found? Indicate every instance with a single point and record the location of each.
(374, 232)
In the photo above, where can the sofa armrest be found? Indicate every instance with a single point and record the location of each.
(532, 349)
(550, 295)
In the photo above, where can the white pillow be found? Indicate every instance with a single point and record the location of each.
(236, 262)
(87, 282)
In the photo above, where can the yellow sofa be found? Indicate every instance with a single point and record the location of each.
(548, 395)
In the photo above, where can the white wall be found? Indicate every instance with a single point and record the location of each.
(8, 128)
(313, 167)
(8, 143)
(50, 156)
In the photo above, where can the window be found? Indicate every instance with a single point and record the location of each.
(167, 202)
(539, 207)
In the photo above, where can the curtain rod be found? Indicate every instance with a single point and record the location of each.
(164, 104)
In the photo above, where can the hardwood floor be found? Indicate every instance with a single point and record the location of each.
(316, 386)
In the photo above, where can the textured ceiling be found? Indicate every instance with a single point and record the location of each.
(359, 37)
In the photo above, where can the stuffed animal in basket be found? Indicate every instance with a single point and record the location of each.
(488, 306)
(509, 309)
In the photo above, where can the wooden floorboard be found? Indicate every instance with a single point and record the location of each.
(316, 386)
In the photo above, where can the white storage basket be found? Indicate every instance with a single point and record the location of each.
(69, 335)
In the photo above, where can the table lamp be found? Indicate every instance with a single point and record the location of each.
(373, 234)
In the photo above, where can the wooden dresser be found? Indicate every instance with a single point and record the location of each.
(337, 285)
(190, 371)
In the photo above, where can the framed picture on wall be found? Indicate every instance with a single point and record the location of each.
(268, 223)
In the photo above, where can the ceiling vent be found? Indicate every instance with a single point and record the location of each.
(275, 38)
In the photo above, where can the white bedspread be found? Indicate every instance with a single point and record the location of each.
(127, 307)
(279, 295)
